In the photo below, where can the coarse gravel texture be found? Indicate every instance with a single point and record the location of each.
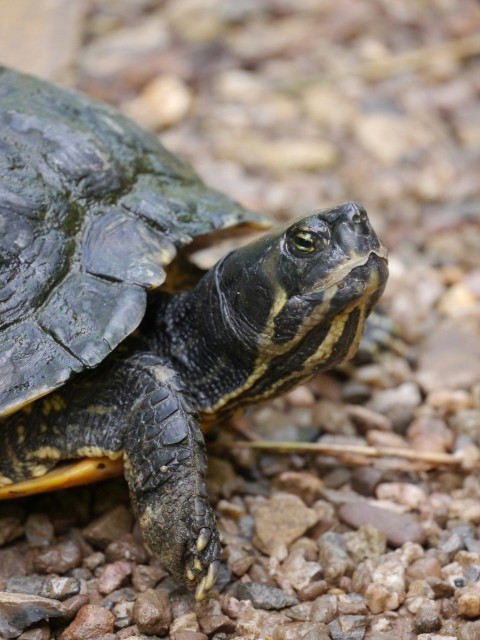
(289, 105)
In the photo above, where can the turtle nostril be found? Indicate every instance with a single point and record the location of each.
(357, 217)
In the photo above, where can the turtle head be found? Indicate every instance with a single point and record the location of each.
(296, 299)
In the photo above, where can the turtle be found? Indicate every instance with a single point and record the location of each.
(114, 348)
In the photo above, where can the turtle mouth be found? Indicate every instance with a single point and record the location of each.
(377, 256)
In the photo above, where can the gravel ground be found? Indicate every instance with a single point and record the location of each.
(289, 105)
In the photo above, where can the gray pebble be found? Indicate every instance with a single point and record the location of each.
(55, 587)
(348, 628)
(469, 631)
(12, 563)
(333, 556)
(398, 527)
(40, 632)
(19, 611)
(265, 597)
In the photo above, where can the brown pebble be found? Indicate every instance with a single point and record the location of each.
(90, 622)
(296, 630)
(73, 605)
(279, 521)
(216, 623)
(427, 619)
(324, 609)
(60, 558)
(304, 484)
(126, 549)
(313, 590)
(128, 632)
(146, 577)
(365, 480)
(38, 530)
(468, 602)
(380, 598)
(109, 527)
(188, 635)
(10, 529)
(152, 612)
(398, 527)
(427, 433)
(424, 568)
(113, 576)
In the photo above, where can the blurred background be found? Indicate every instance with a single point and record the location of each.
(289, 106)
(286, 104)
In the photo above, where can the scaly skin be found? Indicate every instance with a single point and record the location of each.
(266, 318)
(136, 408)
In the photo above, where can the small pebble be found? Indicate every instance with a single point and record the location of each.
(301, 630)
(185, 622)
(279, 521)
(325, 608)
(152, 612)
(427, 619)
(19, 611)
(428, 566)
(366, 542)
(469, 631)
(55, 587)
(188, 635)
(113, 576)
(109, 527)
(304, 484)
(348, 628)
(146, 577)
(468, 601)
(212, 624)
(365, 480)
(39, 530)
(90, 622)
(265, 597)
(10, 529)
(72, 606)
(398, 527)
(59, 558)
(380, 598)
(126, 548)
(405, 493)
(333, 556)
(40, 632)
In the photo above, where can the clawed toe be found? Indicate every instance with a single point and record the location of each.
(207, 582)
(203, 539)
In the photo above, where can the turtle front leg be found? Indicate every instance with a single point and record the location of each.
(166, 466)
(136, 407)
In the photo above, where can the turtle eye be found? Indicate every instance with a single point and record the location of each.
(304, 241)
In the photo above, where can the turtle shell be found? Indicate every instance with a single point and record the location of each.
(92, 209)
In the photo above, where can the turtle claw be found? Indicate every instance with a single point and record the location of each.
(207, 582)
(203, 539)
